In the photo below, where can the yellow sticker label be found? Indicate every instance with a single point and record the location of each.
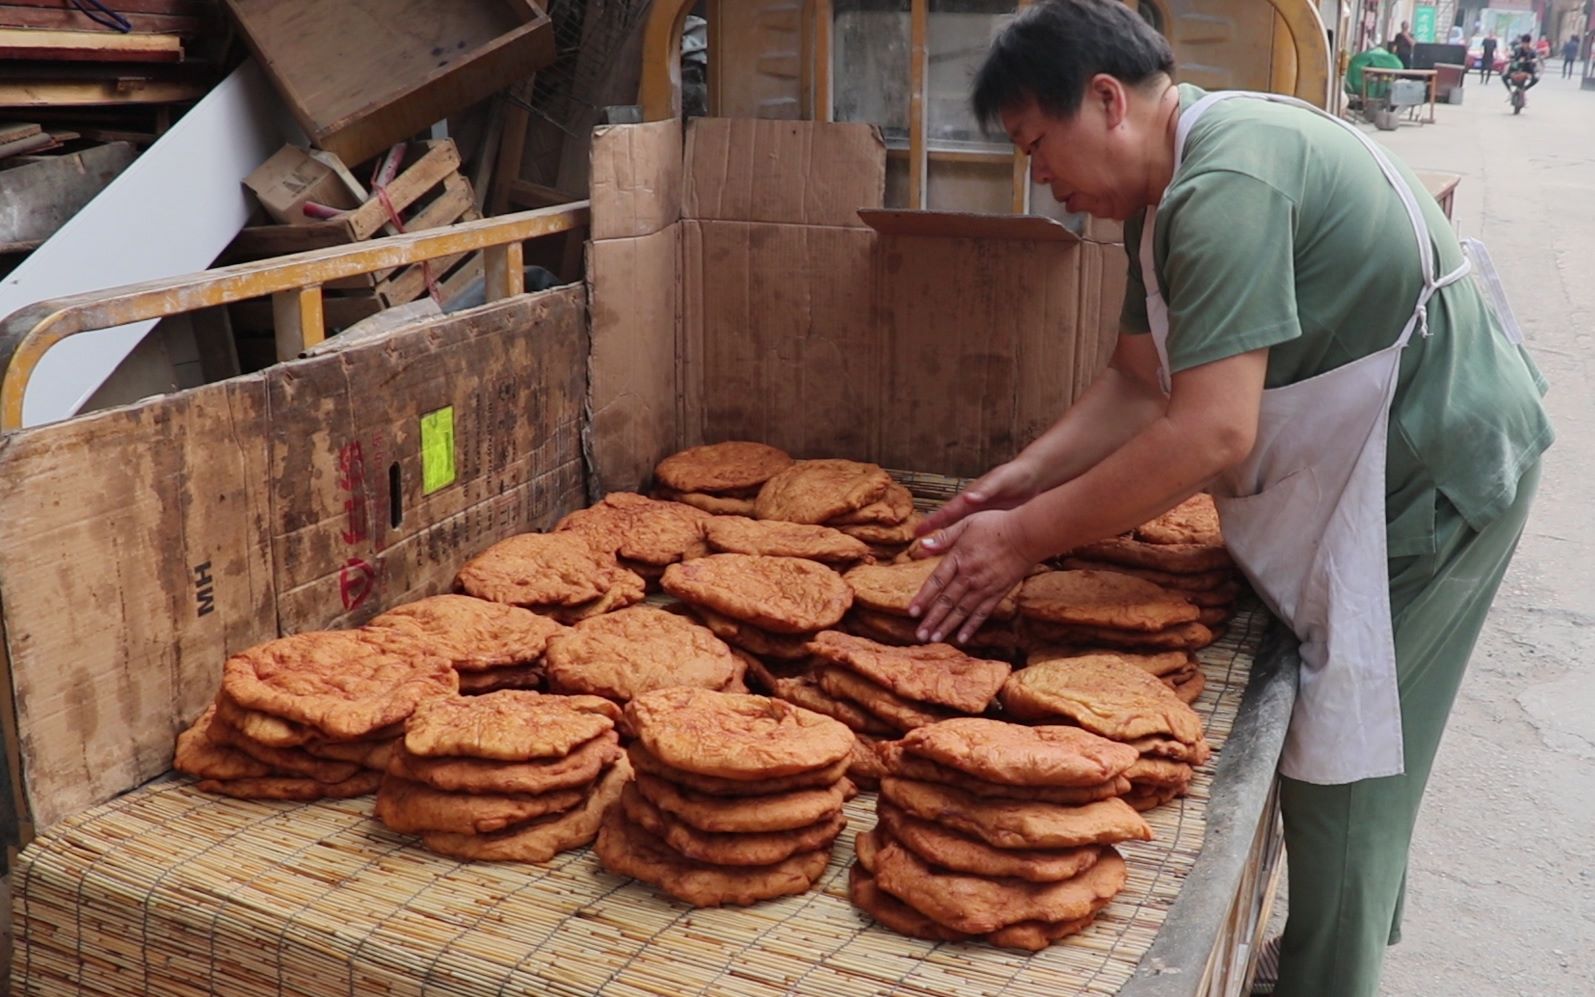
(437, 450)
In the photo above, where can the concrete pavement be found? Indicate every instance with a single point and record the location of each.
(1501, 890)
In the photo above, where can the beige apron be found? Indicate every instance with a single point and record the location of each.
(1304, 516)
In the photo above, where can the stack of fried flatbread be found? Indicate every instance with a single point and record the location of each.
(882, 594)
(905, 688)
(1116, 698)
(645, 534)
(737, 798)
(859, 499)
(1107, 609)
(774, 538)
(313, 715)
(1182, 551)
(995, 832)
(768, 606)
(491, 645)
(560, 575)
(721, 478)
(511, 776)
(1179, 670)
(623, 654)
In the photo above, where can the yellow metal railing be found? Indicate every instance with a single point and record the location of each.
(294, 284)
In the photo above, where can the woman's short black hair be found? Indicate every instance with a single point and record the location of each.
(1051, 50)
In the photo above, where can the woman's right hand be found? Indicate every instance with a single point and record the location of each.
(1006, 486)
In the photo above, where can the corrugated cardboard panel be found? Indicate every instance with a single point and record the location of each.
(133, 559)
(396, 460)
(979, 347)
(780, 340)
(800, 172)
(634, 394)
(636, 179)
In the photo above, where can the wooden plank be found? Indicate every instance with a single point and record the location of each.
(505, 270)
(22, 146)
(132, 233)
(37, 199)
(192, 8)
(440, 160)
(415, 64)
(10, 131)
(88, 46)
(511, 147)
(68, 18)
(526, 194)
(918, 106)
(50, 93)
(298, 320)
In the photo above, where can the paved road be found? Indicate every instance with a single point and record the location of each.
(1501, 893)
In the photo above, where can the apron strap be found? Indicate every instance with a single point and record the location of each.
(1491, 279)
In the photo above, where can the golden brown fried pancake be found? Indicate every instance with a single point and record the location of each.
(263, 728)
(715, 505)
(642, 761)
(1103, 599)
(717, 468)
(787, 595)
(744, 814)
(291, 788)
(542, 839)
(1190, 690)
(576, 770)
(1194, 521)
(806, 691)
(898, 762)
(627, 588)
(1158, 772)
(756, 641)
(641, 529)
(732, 736)
(1152, 797)
(818, 491)
(345, 683)
(994, 638)
(631, 651)
(926, 673)
(1003, 752)
(894, 507)
(1160, 664)
(1017, 823)
(541, 569)
(373, 754)
(1185, 636)
(753, 848)
(960, 853)
(774, 538)
(890, 588)
(1202, 581)
(509, 726)
(1102, 694)
(627, 850)
(413, 807)
(1162, 746)
(473, 633)
(865, 768)
(494, 679)
(200, 755)
(1179, 559)
(899, 713)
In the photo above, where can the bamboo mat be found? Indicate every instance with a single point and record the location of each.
(166, 891)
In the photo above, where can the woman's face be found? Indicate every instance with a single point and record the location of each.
(1086, 160)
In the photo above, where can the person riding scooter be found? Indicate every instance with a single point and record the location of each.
(1525, 60)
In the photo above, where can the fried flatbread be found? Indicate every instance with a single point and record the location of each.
(899, 713)
(413, 807)
(1021, 756)
(345, 683)
(1194, 521)
(625, 849)
(755, 640)
(895, 761)
(717, 468)
(865, 768)
(1201, 581)
(886, 542)
(292, 788)
(818, 491)
(1160, 664)
(891, 588)
(632, 651)
(928, 673)
(1173, 558)
(807, 692)
(961, 853)
(1184, 636)
(995, 638)
(716, 505)
(627, 588)
(1162, 746)
(637, 528)
(475, 634)
(709, 785)
(198, 754)
(509, 726)
(750, 848)
(894, 507)
(786, 595)
(1103, 599)
(542, 839)
(263, 728)
(541, 569)
(1159, 772)
(744, 814)
(577, 770)
(283, 761)
(1017, 823)
(774, 538)
(494, 679)
(1102, 694)
(1190, 690)
(736, 736)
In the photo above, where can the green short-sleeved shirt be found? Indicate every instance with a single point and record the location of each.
(1280, 231)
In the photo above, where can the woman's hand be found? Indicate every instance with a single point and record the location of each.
(1006, 486)
(986, 555)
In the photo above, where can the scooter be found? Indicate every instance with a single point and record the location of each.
(1519, 85)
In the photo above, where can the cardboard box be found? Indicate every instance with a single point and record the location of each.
(292, 177)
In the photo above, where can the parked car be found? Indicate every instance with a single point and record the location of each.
(1476, 56)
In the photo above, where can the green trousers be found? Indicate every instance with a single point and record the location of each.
(1347, 845)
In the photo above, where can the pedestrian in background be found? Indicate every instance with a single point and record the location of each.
(1569, 56)
(1487, 56)
(1401, 45)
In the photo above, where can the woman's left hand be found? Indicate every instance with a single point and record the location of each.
(985, 555)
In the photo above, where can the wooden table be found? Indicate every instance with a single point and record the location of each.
(1427, 75)
(1441, 186)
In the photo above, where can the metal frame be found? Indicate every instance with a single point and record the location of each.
(293, 282)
